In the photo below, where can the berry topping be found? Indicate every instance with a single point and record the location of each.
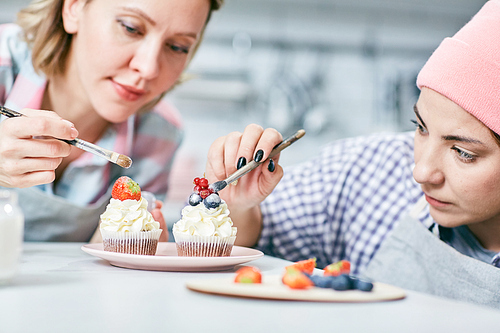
(195, 199)
(203, 183)
(204, 193)
(126, 189)
(248, 274)
(202, 190)
(212, 201)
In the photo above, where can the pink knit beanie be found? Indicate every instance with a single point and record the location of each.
(466, 67)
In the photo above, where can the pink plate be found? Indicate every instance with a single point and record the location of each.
(166, 259)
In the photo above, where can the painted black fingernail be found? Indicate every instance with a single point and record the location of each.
(241, 163)
(271, 167)
(258, 155)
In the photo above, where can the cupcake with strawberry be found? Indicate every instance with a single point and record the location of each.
(127, 226)
(205, 228)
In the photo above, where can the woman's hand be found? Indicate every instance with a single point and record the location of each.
(233, 151)
(29, 154)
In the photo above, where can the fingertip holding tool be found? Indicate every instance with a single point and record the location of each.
(119, 159)
(221, 184)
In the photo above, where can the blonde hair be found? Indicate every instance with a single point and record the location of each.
(44, 32)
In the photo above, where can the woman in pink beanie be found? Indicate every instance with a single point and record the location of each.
(420, 210)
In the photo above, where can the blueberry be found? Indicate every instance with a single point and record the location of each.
(341, 282)
(212, 201)
(194, 199)
(362, 285)
(321, 281)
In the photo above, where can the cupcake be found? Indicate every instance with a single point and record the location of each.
(205, 228)
(126, 225)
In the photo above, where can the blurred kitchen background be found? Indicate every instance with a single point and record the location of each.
(337, 68)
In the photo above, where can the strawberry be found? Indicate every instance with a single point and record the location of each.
(338, 268)
(296, 279)
(306, 266)
(125, 188)
(248, 274)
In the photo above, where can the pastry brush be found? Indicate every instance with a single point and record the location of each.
(122, 160)
(221, 184)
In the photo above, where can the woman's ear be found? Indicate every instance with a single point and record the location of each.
(71, 14)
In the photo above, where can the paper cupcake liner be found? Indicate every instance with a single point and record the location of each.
(142, 242)
(203, 246)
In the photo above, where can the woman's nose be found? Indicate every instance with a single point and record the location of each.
(146, 60)
(428, 166)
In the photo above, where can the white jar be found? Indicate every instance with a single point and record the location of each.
(11, 235)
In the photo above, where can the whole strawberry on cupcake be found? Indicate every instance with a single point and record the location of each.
(205, 228)
(127, 226)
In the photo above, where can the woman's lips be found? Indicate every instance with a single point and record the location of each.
(435, 202)
(127, 93)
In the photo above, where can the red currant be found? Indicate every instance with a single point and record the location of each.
(196, 181)
(203, 183)
(197, 189)
(204, 193)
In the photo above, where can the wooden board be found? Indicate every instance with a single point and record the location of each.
(272, 288)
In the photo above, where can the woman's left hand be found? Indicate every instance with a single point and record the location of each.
(228, 151)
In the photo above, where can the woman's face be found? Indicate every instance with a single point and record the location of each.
(127, 52)
(457, 163)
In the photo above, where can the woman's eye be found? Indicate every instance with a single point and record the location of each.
(419, 127)
(463, 155)
(129, 29)
(179, 49)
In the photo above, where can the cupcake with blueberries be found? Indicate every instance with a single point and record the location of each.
(205, 228)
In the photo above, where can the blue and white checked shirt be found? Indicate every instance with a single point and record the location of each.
(342, 204)
(345, 202)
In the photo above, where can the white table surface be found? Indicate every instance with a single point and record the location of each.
(60, 288)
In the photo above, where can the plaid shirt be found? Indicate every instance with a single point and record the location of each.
(342, 204)
(345, 202)
(150, 139)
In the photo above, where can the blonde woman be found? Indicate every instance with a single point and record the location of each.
(101, 68)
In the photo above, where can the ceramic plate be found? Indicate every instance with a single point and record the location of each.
(273, 288)
(166, 259)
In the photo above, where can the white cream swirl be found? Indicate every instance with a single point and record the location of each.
(201, 221)
(128, 216)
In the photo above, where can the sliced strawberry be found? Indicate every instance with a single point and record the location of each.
(125, 188)
(306, 266)
(248, 274)
(296, 279)
(338, 268)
